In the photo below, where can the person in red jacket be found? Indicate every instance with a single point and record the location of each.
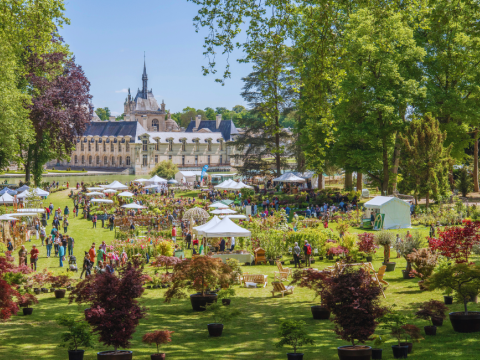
(174, 233)
(34, 257)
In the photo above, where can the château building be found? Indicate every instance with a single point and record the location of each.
(148, 135)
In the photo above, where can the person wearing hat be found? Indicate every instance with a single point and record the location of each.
(34, 257)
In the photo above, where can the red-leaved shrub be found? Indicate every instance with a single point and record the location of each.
(158, 338)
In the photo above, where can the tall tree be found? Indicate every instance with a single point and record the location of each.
(425, 162)
(103, 113)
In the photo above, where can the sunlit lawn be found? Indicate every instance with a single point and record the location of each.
(250, 336)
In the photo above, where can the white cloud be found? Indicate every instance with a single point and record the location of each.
(121, 91)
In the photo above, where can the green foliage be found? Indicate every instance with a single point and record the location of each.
(464, 182)
(165, 169)
(227, 293)
(221, 314)
(78, 335)
(394, 321)
(293, 333)
(103, 113)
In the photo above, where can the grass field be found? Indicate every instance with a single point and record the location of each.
(250, 336)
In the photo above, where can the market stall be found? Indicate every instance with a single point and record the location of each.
(389, 213)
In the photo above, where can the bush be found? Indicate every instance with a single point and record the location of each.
(385, 239)
(423, 262)
(78, 334)
(464, 182)
(292, 332)
(432, 309)
(83, 169)
(158, 338)
(53, 168)
(366, 243)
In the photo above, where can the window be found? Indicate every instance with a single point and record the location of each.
(208, 159)
(170, 157)
(155, 124)
(144, 142)
(120, 161)
(89, 146)
(221, 159)
(145, 161)
(83, 159)
(119, 147)
(196, 160)
(98, 160)
(183, 145)
(209, 145)
(156, 159)
(183, 159)
(104, 146)
(128, 160)
(113, 161)
(105, 160)
(111, 146)
(90, 159)
(157, 145)
(96, 145)
(127, 146)
(221, 146)
(76, 159)
(170, 145)
(82, 146)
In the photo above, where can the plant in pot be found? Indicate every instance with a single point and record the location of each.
(113, 301)
(158, 338)
(236, 270)
(221, 315)
(199, 273)
(394, 322)
(377, 342)
(354, 299)
(433, 311)
(225, 295)
(314, 280)
(386, 239)
(25, 301)
(166, 261)
(60, 282)
(78, 335)
(423, 262)
(366, 245)
(411, 332)
(292, 333)
(464, 280)
(406, 247)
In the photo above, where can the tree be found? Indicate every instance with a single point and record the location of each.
(78, 334)
(120, 117)
(158, 338)
(210, 113)
(165, 169)
(425, 162)
(464, 181)
(292, 332)
(114, 310)
(59, 111)
(10, 277)
(103, 113)
(239, 109)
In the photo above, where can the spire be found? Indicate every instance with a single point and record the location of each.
(144, 78)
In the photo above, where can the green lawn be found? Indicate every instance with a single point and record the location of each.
(251, 336)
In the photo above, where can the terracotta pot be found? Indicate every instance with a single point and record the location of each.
(215, 330)
(111, 355)
(359, 352)
(320, 312)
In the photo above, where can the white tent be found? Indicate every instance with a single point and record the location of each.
(116, 185)
(23, 188)
(94, 188)
(396, 211)
(126, 194)
(24, 214)
(202, 228)
(102, 201)
(156, 180)
(289, 177)
(187, 176)
(218, 205)
(241, 185)
(7, 217)
(140, 180)
(133, 206)
(41, 192)
(226, 184)
(38, 192)
(234, 217)
(223, 211)
(40, 210)
(95, 193)
(6, 198)
(153, 186)
(110, 191)
(227, 228)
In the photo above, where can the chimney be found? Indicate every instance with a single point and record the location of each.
(198, 118)
(111, 118)
(218, 120)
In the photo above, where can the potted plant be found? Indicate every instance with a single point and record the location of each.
(314, 280)
(292, 333)
(58, 282)
(225, 295)
(158, 338)
(447, 297)
(423, 262)
(464, 280)
(113, 301)
(412, 332)
(25, 300)
(406, 247)
(377, 351)
(429, 311)
(199, 273)
(78, 335)
(366, 245)
(221, 315)
(386, 239)
(394, 322)
(354, 299)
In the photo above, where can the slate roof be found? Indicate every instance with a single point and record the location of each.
(227, 127)
(111, 128)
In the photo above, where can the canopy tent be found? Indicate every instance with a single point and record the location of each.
(172, 181)
(289, 177)
(196, 214)
(396, 212)
(218, 204)
(202, 228)
(242, 185)
(126, 194)
(153, 186)
(156, 180)
(234, 217)
(133, 206)
(41, 192)
(7, 217)
(26, 210)
(227, 202)
(224, 184)
(116, 185)
(187, 176)
(106, 201)
(6, 198)
(140, 180)
(94, 188)
(95, 193)
(23, 188)
(37, 191)
(20, 214)
(8, 191)
(227, 228)
(223, 211)
(110, 191)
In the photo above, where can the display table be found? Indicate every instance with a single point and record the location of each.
(242, 258)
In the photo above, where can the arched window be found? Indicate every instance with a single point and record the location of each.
(155, 124)
(104, 146)
(209, 145)
(105, 160)
(111, 146)
(98, 160)
(90, 159)
(113, 161)
(120, 161)
(128, 160)
(83, 159)
(76, 159)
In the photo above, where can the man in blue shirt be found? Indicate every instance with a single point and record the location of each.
(287, 210)
(341, 204)
(308, 212)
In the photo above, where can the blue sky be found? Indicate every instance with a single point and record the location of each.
(108, 38)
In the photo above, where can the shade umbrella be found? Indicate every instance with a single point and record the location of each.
(110, 191)
(202, 228)
(223, 211)
(95, 193)
(126, 194)
(106, 201)
(133, 206)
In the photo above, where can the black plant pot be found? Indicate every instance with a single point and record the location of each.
(111, 355)
(199, 302)
(160, 356)
(430, 330)
(354, 353)
(37, 291)
(52, 289)
(320, 312)
(294, 356)
(312, 261)
(448, 300)
(320, 258)
(406, 274)
(27, 311)
(271, 262)
(369, 259)
(44, 290)
(437, 321)
(226, 301)
(75, 354)
(409, 344)
(330, 257)
(247, 264)
(465, 323)
(292, 262)
(390, 266)
(60, 293)
(400, 352)
(377, 354)
(215, 330)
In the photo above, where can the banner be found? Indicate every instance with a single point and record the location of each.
(204, 171)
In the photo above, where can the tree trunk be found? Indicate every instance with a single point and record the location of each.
(427, 198)
(385, 166)
(475, 163)
(359, 181)
(28, 164)
(395, 162)
(320, 181)
(348, 180)
(277, 144)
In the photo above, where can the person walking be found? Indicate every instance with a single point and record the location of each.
(22, 256)
(87, 264)
(74, 212)
(43, 234)
(296, 255)
(49, 243)
(56, 223)
(9, 245)
(56, 245)
(34, 257)
(100, 254)
(66, 211)
(307, 250)
(65, 225)
(232, 243)
(94, 221)
(70, 245)
(188, 239)
(174, 233)
(64, 241)
(432, 230)
(222, 245)
(92, 253)
(61, 255)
